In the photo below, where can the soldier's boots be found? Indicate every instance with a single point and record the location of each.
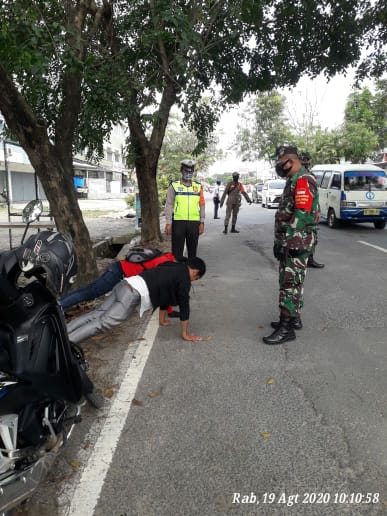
(225, 230)
(233, 230)
(296, 323)
(283, 333)
(312, 263)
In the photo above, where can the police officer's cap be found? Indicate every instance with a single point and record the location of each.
(188, 164)
(284, 149)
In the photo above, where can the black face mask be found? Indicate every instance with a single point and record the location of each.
(235, 179)
(279, 168)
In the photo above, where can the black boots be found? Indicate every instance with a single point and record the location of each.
(296, 323)
(233, 230)
(283, 333)
(312, 263)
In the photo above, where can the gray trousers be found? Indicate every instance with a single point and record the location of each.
(114, 310)
(234, 209)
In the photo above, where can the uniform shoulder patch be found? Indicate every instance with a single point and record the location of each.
(303, 197)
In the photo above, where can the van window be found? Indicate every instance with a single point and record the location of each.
(325, 179)
(318, 174)
(336, 181)
(365, 180)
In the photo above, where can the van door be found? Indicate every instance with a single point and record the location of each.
(334, 193)
(323, 193)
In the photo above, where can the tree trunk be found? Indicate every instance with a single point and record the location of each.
(56, 178)
(59, 188)
(147, 152)
(146, 170)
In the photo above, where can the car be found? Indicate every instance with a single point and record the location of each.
(256, 194)
(271, 192)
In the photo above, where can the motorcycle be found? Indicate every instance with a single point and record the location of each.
(43, 379)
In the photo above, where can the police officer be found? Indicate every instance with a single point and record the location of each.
(293, 240)
(233, 190)
(185, 212)
(216, 198)
(306, 161)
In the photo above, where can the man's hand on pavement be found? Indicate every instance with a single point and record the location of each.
(192, 337)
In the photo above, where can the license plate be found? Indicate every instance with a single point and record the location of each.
(371, 212)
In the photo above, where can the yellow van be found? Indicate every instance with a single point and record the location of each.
(353, 193)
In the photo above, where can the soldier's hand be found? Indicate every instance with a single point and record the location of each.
(280, 252)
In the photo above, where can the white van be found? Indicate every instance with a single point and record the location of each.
(354, 193)
(271, 192)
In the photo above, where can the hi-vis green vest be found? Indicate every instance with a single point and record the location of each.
(187, 199)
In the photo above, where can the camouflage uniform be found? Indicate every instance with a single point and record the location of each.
(295, 231)
(315, 229)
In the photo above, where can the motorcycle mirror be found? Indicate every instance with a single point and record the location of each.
(32, 211)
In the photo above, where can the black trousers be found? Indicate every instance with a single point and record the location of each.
(216, 207)
(185, 232)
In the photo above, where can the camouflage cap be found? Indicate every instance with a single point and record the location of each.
(305, 155)
(284, 149)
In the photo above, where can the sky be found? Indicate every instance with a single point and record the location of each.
(328, 100)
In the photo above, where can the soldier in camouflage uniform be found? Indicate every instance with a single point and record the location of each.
(293, 240)
(306, 162)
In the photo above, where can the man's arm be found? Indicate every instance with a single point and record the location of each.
(202, 205)
(169, 209)
(184, 332)
(223, 196)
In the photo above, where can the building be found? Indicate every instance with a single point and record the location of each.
(107, 179)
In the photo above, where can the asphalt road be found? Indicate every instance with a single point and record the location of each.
(294, 429)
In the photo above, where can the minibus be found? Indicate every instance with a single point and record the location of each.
(352, 193)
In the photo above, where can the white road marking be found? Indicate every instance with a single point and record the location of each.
(374, 246)
(86, 495)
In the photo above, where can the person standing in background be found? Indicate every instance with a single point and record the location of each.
(233, 190)
(185, 212)
(216, 198)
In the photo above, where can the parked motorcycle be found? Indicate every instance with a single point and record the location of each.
(43, 380)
